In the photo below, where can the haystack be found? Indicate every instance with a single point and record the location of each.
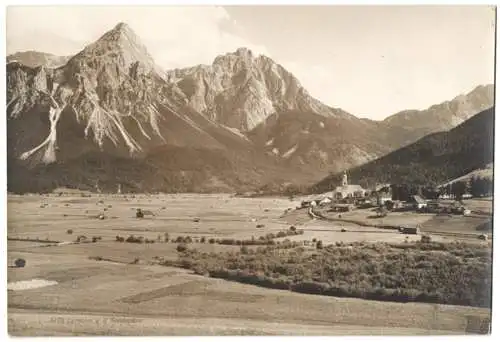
(20, 263)
(139, 213)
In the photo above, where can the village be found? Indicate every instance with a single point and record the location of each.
(352, 203)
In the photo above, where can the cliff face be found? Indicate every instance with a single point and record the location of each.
(241, 90)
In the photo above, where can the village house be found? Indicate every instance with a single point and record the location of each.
(418, 202)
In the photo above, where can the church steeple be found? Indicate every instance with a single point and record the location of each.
(344, 179)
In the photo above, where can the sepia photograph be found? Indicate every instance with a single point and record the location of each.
(249, 170)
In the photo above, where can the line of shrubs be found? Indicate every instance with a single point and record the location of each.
(325, 289)
(261, 241)
(459, 275)
(267, 239)
(84, 239)
(134, 239)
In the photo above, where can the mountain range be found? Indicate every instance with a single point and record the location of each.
(438, 157)
(110, 115)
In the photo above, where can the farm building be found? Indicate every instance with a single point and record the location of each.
(410, 229)
(340, 207)
(418, 202)
(325, 200)
(398, 205)
(347, 190)
(365, 203)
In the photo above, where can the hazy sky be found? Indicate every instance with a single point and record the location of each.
(370, 61)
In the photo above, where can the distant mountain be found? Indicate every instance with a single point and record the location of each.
(436, 158)
(35, 59)
(443, 116)
(110, 114)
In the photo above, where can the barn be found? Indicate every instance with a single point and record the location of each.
(410, 229)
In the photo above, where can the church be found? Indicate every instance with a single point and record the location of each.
(347, 190)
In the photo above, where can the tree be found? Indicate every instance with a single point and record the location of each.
(389, 205)
(431, 192)
(458, 189)
(319, 244)
(480, 186)
(381, 211)
(181, 247)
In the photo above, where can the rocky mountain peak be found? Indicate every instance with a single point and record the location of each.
(120, 46)
(241, 90)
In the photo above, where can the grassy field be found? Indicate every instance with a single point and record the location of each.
(115, 296)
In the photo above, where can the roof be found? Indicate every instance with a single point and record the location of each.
(349, 188)
(382, 186)
(419, 199)
(410, 226)
(342, 205)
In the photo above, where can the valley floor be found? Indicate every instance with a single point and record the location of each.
(117, 297)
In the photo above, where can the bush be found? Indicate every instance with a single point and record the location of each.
(20, 263)
(244, 250)
(293, 229)
(133, 239)
(425, 239)
(314, 240)
(69, 231)
(139, 214)
(120, 239)
(211, 241)
(319, 245)
(96, 238)
(202, 240)
(81, 238)
(181, 248)
(310, 287)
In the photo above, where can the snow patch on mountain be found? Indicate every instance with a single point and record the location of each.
(290, 151)
(50, 142)
(235, 131)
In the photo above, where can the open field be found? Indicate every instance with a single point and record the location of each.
(116, 297)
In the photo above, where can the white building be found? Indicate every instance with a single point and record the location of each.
(347, 190)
